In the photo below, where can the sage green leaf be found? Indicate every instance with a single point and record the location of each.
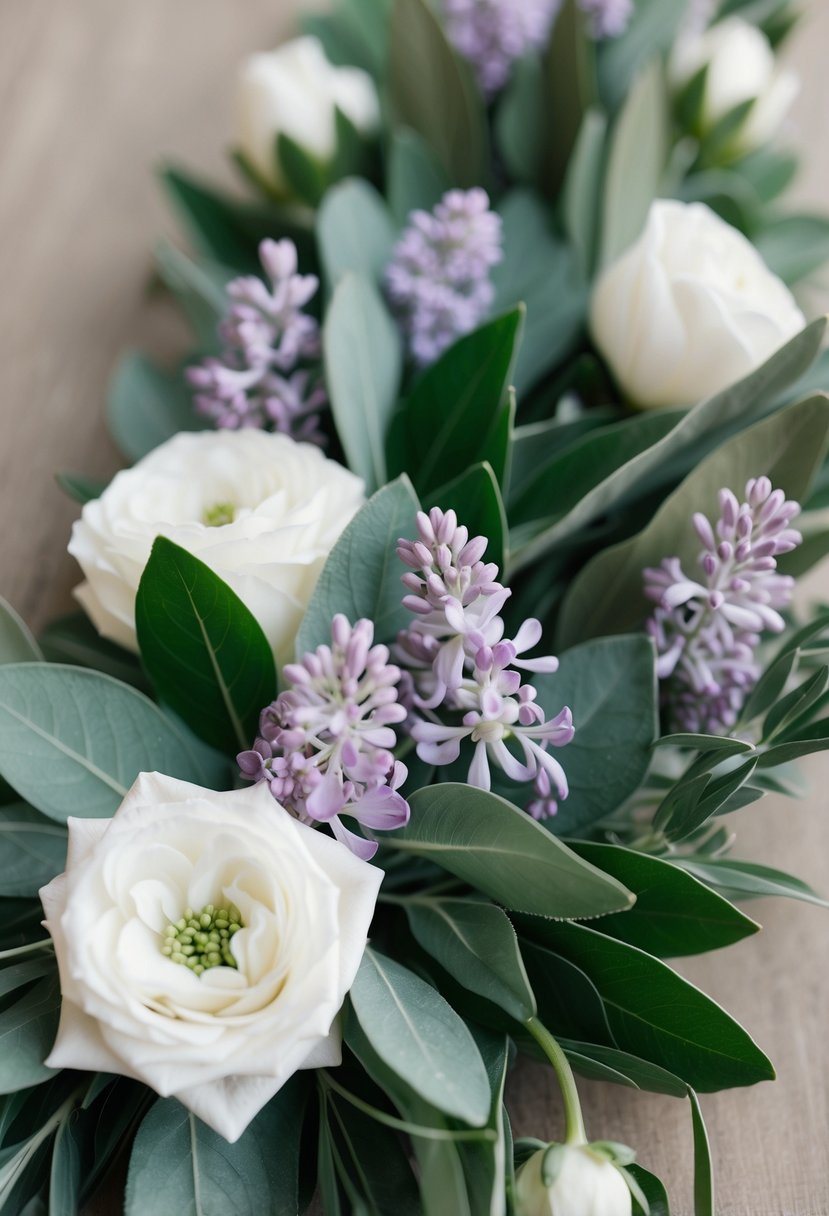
(794, 246)
(610, 686)
(670, 918)
(147, 406)
(421, 1038)
(416, 181)
(656, 1014)
(640, 135)
(705, 1203)
(570, 91)
(486, 1164)
(475, 942)
(73, 741)
(363, 364)
(606, 597)
(199, 287)
(17, 643)
(475, 497)
(180, 1167)
(653, 27)
(747, 880)
(79, 488)
(538, 443)
(810, 739)
(361, 577)
(679, 816)
(66, 1170)
(521, 129)
(444, 105)
(372, 1157)
(27, 1031)
(32, 850)
(355, 232)
(707, 744)
(501, 851)
(74, 639)
(602, 1063)
(202, 647)
(794, 704)
(353, 34)
(18, 975)
(582, 193)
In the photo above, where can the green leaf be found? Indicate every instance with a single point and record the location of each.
(199, 287)
(27, 1032)
(520, 126)
(361, 577)
(73, 741)
(355, 232)
(693, 802)
(74, 639)
(539, 443)
(796, 703)
(147, 406)
(32, 850)
(569, 1003)
(570, 91)
(416, 180)
(421, 1038)
(704, 1202)
(607, 596)
(746, 880)
(794, 246)
(475, 942)
(485, 1164)
(769, 171)
(670, 918)
(601, 1063)
(444, 106)
(476, 499)
(582, 193)
(79, 488)
(610, 686)
(307, 176)
(66, 1171)
(640, 135)
(501, 851)
(652, 1189)
(451, 416)
(363, 364)
(17, 643)
(653, 27)
(655, 1014)
(706, 744)
(180, 1167)
(373, 1157)
(202, 648)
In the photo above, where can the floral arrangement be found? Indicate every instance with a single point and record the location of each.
(305, 830)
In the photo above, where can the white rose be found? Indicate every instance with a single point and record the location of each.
(222, 1041)
(690, 308)
(741, 67)
(294, 91)
(580, 1183)
(285, 504)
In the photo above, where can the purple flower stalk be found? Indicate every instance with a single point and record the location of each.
(492, 34)
(459, 660)
(260, 380)
(707, 631)
(438, 281)
(325, 743)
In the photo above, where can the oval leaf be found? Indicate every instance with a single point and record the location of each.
(17, 645)
(32, 850)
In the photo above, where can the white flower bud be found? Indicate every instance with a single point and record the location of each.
(570, 1180)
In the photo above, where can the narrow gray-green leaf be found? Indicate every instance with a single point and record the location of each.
(32, 850)
(27, 1032)
(17, 643)
(705, 1203)
(355, 232)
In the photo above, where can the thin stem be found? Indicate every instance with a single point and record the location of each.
(27, 949)
(400, 1125)
(422, 897)
(574, 1132)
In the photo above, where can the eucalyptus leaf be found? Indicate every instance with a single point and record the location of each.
(147, 406)
(17, 643)
(66, 1171)
(27, 1032)
(747, 880)
(355, 232)
(79, 488)
(415, 179)
(570, 91)
(32, 850)
(653, 27)
(73, 639)
(582, 193)
(520, 121)
(794, 246)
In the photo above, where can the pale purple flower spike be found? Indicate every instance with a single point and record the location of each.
(707, 631)
(260, 379)
(458, 659)
(325, 743)
(438, 280)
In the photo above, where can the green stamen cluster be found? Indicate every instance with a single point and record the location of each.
(220, 514)
(201, 940)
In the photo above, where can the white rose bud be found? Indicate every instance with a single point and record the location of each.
(294, 91)
(690, 308)
(570, 1180)
(741, 67)
(260, 509)
(205, 942)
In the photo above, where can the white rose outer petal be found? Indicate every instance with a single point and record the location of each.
(690, 308)
(224, 1042)
(291, 502)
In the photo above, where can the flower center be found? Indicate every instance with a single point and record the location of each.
(201, 940)
(219, 514)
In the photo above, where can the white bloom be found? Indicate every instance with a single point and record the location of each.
(223, 1041)
(690, 308)
(294, 91)
(741, 67)
(287, 505)
(585, 1184)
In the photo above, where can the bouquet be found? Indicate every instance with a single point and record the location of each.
(444, 613)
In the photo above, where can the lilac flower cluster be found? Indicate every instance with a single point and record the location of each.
(458, 659)
(438, 280)
(325, 743)
(260, 379)
(707, 631)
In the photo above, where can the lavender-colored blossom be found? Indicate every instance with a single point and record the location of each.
(608, 18)
(707, 630)
(261, 378)
(438, 280)
(492, 34)
(459, 660)
(325, 743)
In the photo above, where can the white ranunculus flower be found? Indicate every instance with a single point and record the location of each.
(741, 67)
(584, 1184)
(294, 91)
(690, 308)
(225, 1039)
(260, 509)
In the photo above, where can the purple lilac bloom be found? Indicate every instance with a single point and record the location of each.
(492, 34)
(259, 379)
(325, 743)
(707, 631)
(458, 659)
(438, 280)
(609, 18)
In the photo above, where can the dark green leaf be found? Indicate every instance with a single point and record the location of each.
(307, 176)
(17, 644)
(621, 1068)
(485, 1164)
(32, 850)
(796, 703)
(686, 815)
(476, 498)
(570, 91)
(147, 406)
(746, 880)
(373, 1158)
(65, 1176)
(704, 1201)
(569, 1003)
(27, 1032)
(652, 1189)
(355, 232)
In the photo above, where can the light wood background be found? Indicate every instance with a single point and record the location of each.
(93, 95)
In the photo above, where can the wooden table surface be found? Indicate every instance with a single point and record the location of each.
(94, 94)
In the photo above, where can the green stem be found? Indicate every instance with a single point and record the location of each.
(27, 949)
(400, 1125)
(423, 897)
(574, 1132)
